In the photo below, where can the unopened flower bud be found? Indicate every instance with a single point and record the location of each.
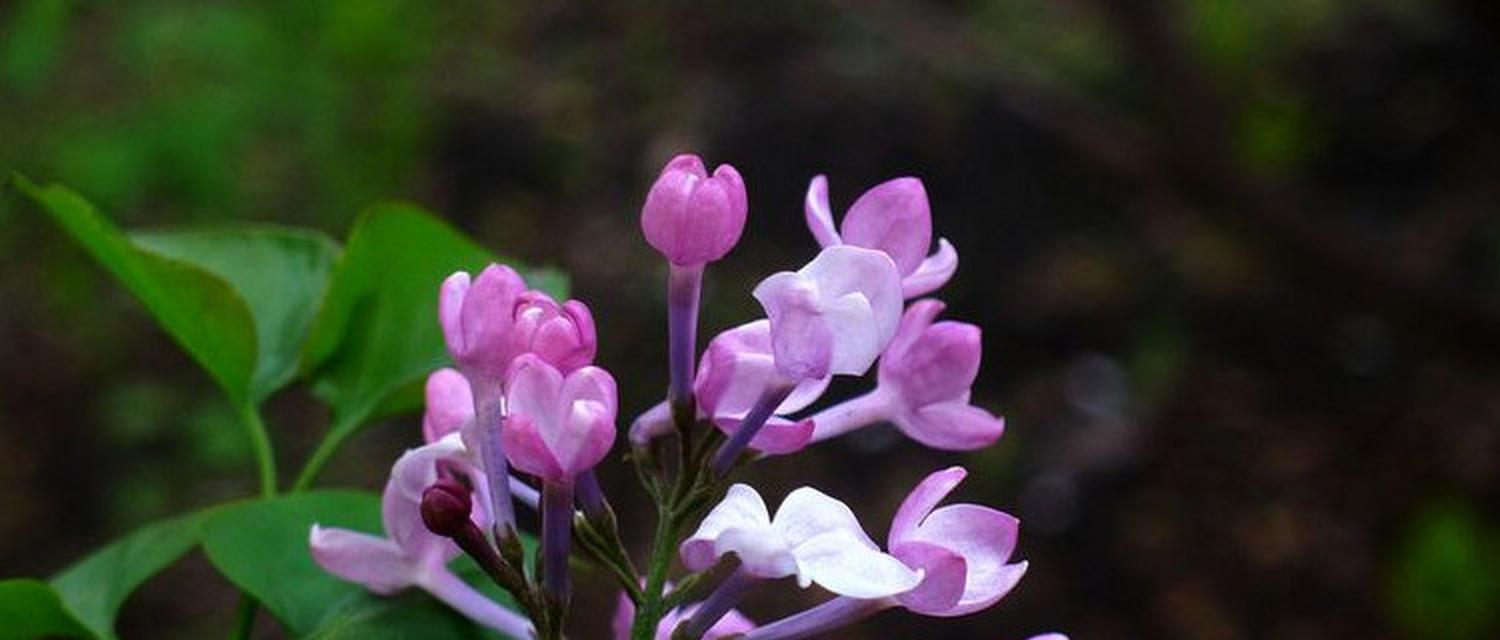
(445, 507)
(693, 218)
(476, 316)
(561, 334)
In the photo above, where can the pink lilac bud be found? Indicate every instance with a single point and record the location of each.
(923, 387)
(813, 537)
(736, 368)
(563, 335)
(476, 316)
(892, 217)
(450, 405)
(833, 316)
(693, 218)
(963, 550)
(445, 507)
(557, 426)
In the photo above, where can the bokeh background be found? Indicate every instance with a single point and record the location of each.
(1237, 263)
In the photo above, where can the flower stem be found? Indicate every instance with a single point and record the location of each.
(765, 405)
(851, 414)
(821, 619)
(725, 597)
(557, 530)
(489, 416)
(684, 285)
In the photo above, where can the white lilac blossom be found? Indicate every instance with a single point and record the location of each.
(813, 537)
(410, 555)
(962, 552)
(893, 217)
(922, 386)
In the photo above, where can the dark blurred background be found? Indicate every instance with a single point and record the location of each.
(1237, 264)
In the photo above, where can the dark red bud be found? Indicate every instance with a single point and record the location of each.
(445, 507)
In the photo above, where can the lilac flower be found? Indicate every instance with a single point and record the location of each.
(813, 537)
(732, 623)
(892, 217)
(961, 552)
(693, 218)
(477, 318)
(833, 316)
(562, 335)
(964, 549)
(410, 555)
(557, 426)
(923, 386)
(735, 369)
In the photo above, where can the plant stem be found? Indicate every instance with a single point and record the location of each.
(260, 444)
(337, 434)
(648, 615)
(265, 462)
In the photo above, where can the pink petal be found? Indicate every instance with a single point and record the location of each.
(778, 438)
(922, 500)
(586, 437)
(742, 506)
(954, 426)
(819, 215)
(985, 538)
(914, 322)
(933, 273)
(375, 563)
(893, 217)
(532, 389)
(526, 449)
(943, 577)
(450, 404)
(450, 306)
(858, 340)
(733, 223)
(401, 501)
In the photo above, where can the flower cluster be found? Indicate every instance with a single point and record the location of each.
(525, 397)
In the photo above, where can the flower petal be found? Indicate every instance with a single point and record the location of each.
(819, 215)
(859, 341)
(921, 501)
(807, 513)
(943, 576)
(838, 562)
(761, 552)
(893, 217)
(844, 269)
(450, 307)
(401, 501)
(742, 507)
(450, 404)
(376, 563)
(532, 389)
(779, 437)
(527, 449)
(985, 538)
(933, 273)
(954, 426)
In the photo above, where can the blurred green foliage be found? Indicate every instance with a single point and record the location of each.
(1445, 579)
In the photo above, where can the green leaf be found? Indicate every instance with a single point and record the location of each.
(95, 588)
(262, 548)
(200, 310)
(281, 273)
(377, 334)
(31, 609)
(409, 615)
